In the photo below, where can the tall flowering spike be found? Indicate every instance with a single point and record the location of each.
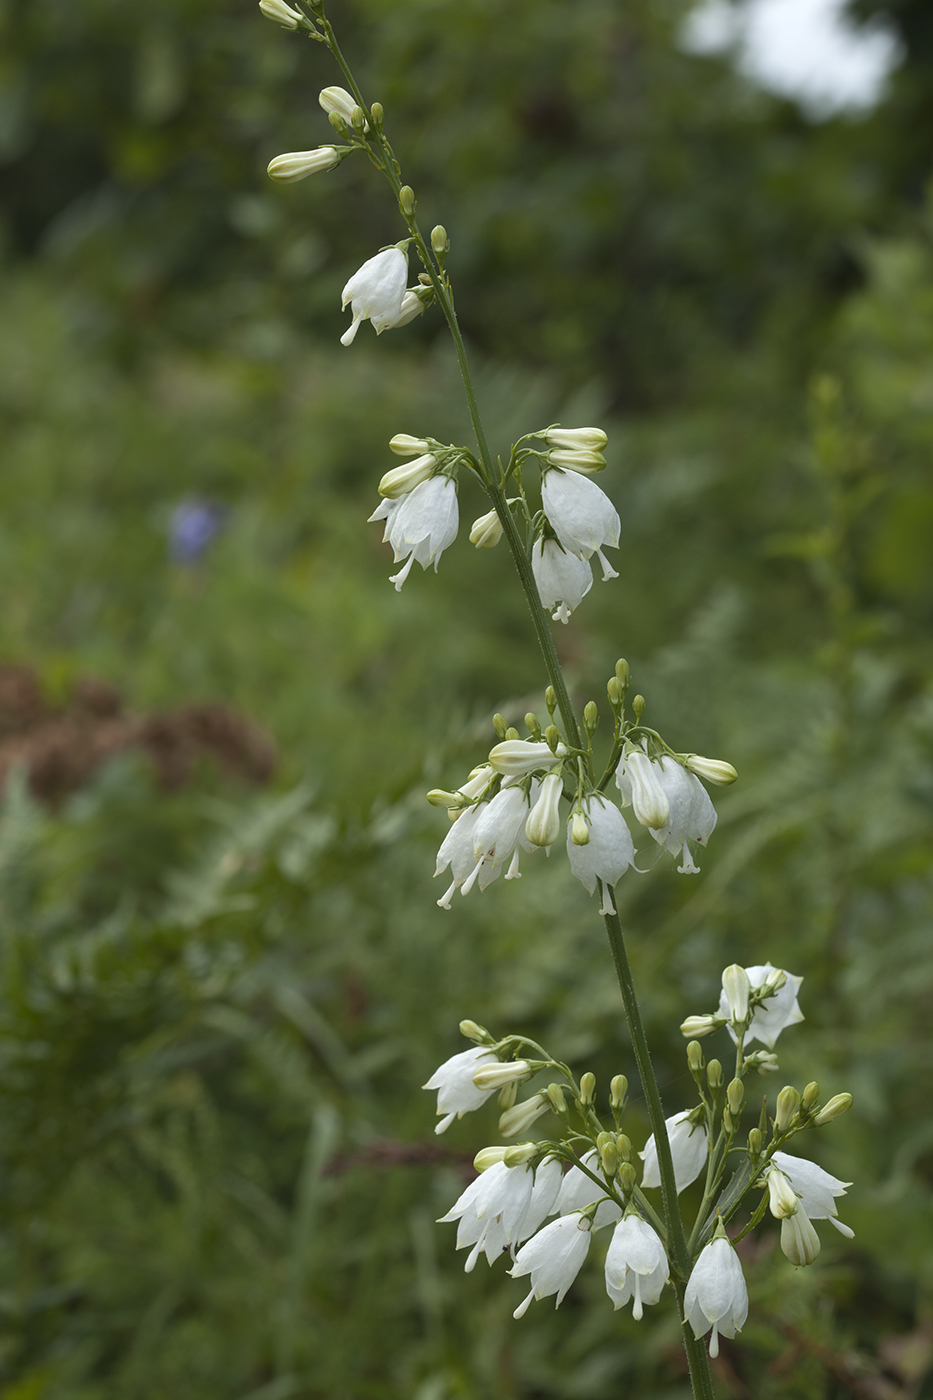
(691, 815)
(582, 516)
(772, 1015)
(553, 1257)
(604, 858)
(491, 1211)
(688, 1148)
(425, 524)
(288, 169)
(375, 291)
(453, 1080)
(563, 579)
(716, 1295)
(816, 1189)
(636, 1265)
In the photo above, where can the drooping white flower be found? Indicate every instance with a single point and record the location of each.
(375, 292)
(456, 851)
(799, 1241)
(543, 826)
(293, 166)
(672, 803)
(548, 1177)
(424, 526)
(716, 1295)
(386, 510)
(608, 853)
(563, 578)
(816, 1188)
(775, 1013)
(497, 831)
(398, 481)
(636, 1265)
(281, 13)
(577, 1190)
(412, 305)
(519, 1118)
(553, 1257)
(453, 1080)
(516, 758)
(491, 1210)
(581, 515)
(688, 1150)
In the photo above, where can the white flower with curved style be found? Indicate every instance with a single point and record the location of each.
(293, 166)
(716, 1295)
(816, 1189)
(563, 579)
(553, 1257)
(607, 854)
(577, 1191)
(688, 1149)
(675, 806)
(453, 1080)
(491, 1211)
(581, 515)
(424, 525)
(456, 851)
(497, 831)
(772, 1015)
(375, 292)
(636, 1265)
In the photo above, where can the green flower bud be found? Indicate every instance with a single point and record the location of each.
(622, 670)
(512, 732)
(695, 1057)
(616, 692)
(714, 1074)
(735, 1094)
(714, 770)
(533, 725)
(508, 1094)
(550, 699)
(755, 1142)
(473, 1031)
(521, 1153)
(788, 1102)
(608, 1153)
(618, 1088)
(590, 717)
(406, 200)
(439, 240)
(440, 797)
(579, 830)
(377, 114)
(587, 1088)
(638, 705)
(624, 1147)
(488, 1157)
(499, 725)
(558, 1102)
(627, 1178)
(811, 1095)
(552, 737)
(727, 1122)
(838, 1104)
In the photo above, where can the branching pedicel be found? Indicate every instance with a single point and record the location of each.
(553, 526)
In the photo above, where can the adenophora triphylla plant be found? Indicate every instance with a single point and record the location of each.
(536, 791)
(587, 1175)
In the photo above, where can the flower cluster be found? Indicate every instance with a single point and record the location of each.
(542, 1202)
(511, 803)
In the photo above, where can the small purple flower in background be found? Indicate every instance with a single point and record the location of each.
(193, 525)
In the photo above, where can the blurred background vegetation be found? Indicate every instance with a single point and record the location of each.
(218, 994)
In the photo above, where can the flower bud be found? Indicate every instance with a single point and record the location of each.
(336, 101)
(516, 1120)
(550, 699)
(281, 13)
(585, 462)
(755, 1142)
(579, 830)
(587, 1088)
(628, 1178)
(694, 1057)
(714, 770)
(400, 480)
(552, 737)
(838, 1104)
(590, 717)
(765, 1062)
(699, 1025)
(811, 1095)
(608, 1153)
(713, 1074)
(788, 1102)
(517, 757)
(473, 1031)
(638, 706)
(521, 1153)
(736, 986)
(406, 200)
(512, 732)
(783, 1200)
(337, 122)
(618, 1088)
(776, 979)
(799, 1240)
(440, 797)
(577, 439)
(499, 725)
(543, 825)
(377, 114)
(440, 243)
(403, 445)
(727, 1121)
(616, 692)
(489, 1157)
(507, 1095)
(486, 531)
(735, 1094)
(623, 670)
(358, 118)
(558, 1102)
(624, 1147)
(494, 1076)
(533, 725)
(297, 165)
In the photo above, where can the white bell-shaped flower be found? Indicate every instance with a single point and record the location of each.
(563, 578)
(816, 1189)
(577, 1191)
(456, 851)
(497, 831)
(608, 853)
(553, 1257)
(543, 826)
(775, 1013)
(548, 1177)
(799, 1241)
(664, 789)
(716, 1295)
(581, 515)
(424, 526)
(688, 1149)
(293, 166)
(453, 1080)
(491, 1211)
(636, 1265)
(375, 292)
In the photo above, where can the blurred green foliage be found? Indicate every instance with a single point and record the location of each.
(218, 1176)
